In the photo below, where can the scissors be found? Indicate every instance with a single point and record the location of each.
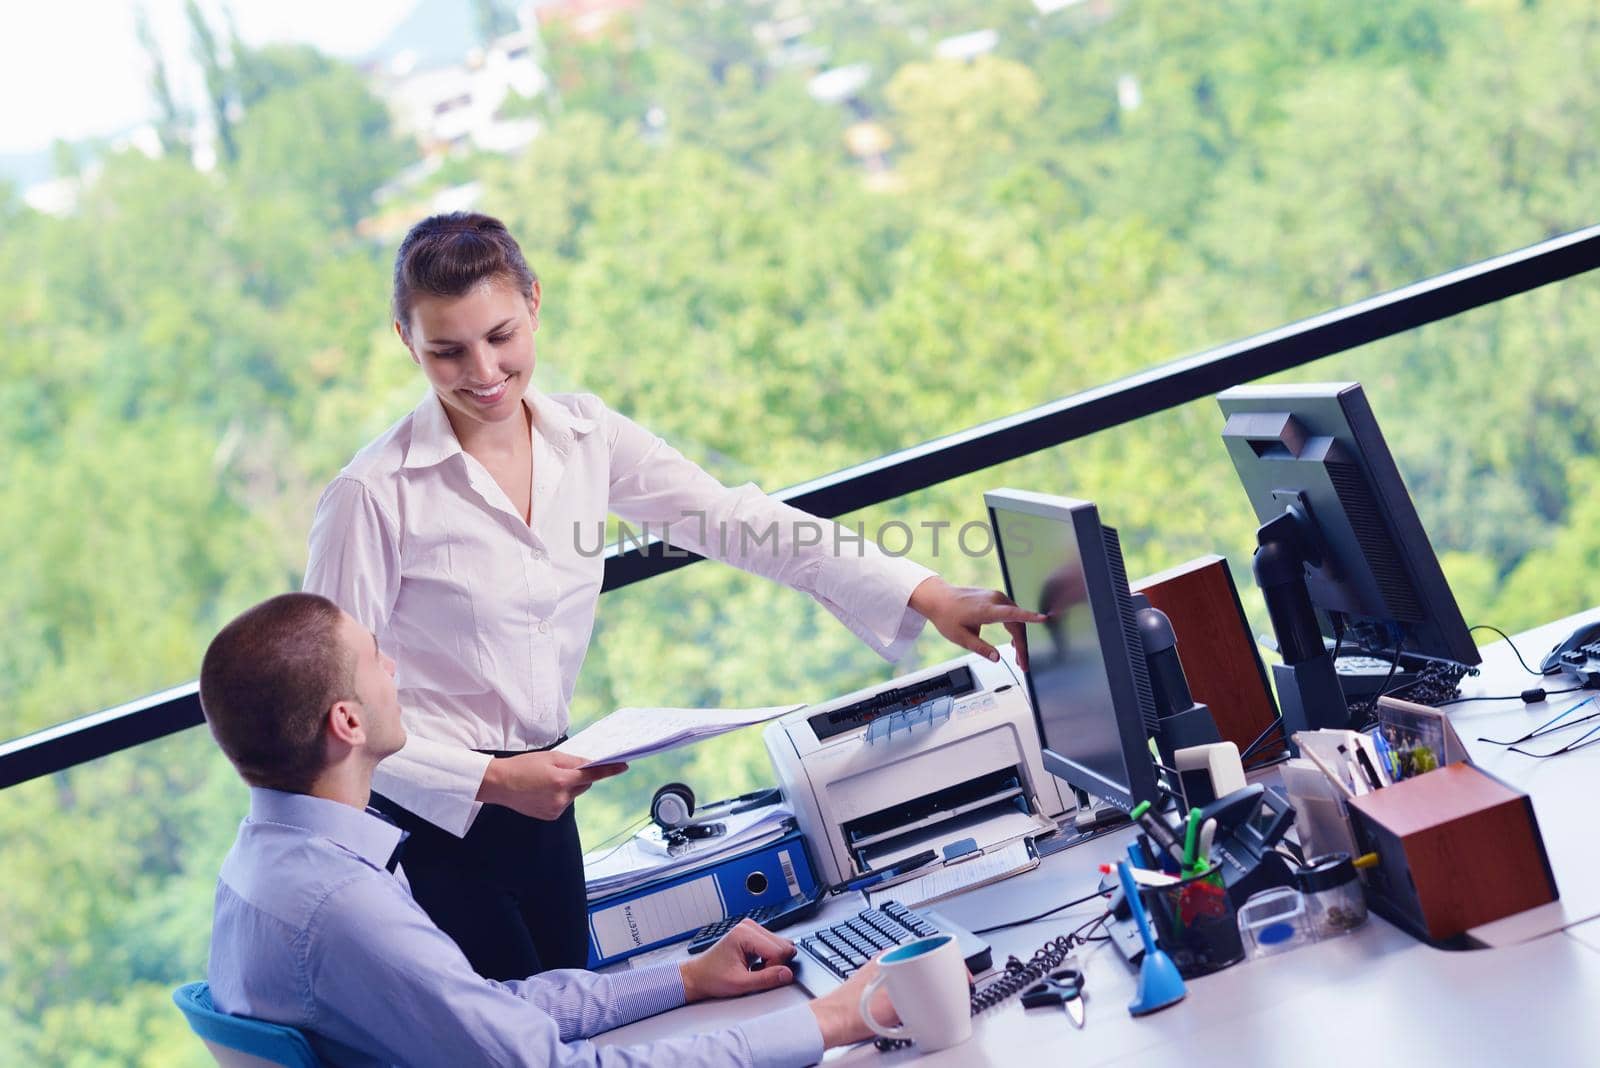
(1064, 987)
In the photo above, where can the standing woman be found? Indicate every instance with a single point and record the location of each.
(455, 538)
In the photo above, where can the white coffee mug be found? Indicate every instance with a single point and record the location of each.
(927, 981)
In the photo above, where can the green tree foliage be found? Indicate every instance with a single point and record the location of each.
(170, 123)
(187, 358)
(209, 53)
(260, 72)
(324, 140)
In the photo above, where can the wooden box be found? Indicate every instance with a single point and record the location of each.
(1218, 654)
(1456, 848)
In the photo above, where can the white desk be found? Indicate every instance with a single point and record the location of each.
(1375, 997)
(1562, 788)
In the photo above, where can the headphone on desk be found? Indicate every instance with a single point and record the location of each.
(672, 809)
(672, 806)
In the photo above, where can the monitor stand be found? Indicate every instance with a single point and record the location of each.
(1087, 823)
(1309, 693)
(1091, 816)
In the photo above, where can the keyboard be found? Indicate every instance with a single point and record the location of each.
(829, 955)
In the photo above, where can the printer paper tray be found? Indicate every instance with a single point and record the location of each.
(987, 829)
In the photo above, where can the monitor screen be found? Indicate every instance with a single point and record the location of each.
(1066, 665)
(1057, 560)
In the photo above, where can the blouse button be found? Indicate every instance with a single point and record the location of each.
(544, 626)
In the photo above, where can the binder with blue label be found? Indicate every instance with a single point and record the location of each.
(673, 908)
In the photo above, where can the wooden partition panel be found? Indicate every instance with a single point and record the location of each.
(1218, 654)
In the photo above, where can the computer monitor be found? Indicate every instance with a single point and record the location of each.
(1087, 675)
(1341, 552)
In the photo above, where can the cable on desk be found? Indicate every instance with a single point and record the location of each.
(1584, 741)
(1365, 710)
(1040, 916)
(1548, 727)
(1086, 933)
(1250, 749)
(1514, 650)
(1530, 696)
(1019, 976)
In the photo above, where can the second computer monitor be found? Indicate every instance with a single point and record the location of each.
(1315, 452)
(1086, 675)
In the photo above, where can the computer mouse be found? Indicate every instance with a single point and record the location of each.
(1588, 634)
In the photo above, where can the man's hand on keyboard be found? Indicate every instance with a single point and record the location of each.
(839, 1011)
(747, 959)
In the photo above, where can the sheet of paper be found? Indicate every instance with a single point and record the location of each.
(944, 881)
(987, 831)
(619, 866)
(655, 916)
(631, 733)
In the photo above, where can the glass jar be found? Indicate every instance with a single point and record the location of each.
(1332, 889)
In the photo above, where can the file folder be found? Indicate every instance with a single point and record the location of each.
(670, 910)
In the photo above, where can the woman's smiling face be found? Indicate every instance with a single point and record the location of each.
(476, 349)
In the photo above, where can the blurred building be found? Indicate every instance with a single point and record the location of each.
(465, 104)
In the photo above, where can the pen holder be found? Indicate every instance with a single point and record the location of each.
(1195, 923)
(1456, 848)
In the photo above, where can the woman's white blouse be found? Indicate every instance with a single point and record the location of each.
(488, 618)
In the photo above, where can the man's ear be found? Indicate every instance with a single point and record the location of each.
(347, 723)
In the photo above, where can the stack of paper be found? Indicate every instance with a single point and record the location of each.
(947, 880)
(630, 733)
(611, 869)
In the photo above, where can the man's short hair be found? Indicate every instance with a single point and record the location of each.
(266, 684)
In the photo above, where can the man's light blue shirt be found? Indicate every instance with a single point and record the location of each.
(310, 930)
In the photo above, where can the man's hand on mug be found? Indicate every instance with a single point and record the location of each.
(839, 1011)
(540, 785)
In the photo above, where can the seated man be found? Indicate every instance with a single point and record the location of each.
(315, 926)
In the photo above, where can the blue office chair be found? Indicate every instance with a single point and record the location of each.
(239, 1041)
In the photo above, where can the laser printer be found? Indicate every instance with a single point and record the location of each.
(920, 762)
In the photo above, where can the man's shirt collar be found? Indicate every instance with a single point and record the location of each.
(369, 836)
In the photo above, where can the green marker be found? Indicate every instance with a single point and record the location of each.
(1190, 841)
(1160, 834)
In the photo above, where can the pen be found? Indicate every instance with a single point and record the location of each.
(1366, 744)
(1356, 777)
(1145, 877)
(1191, 839)
(1367, 768)
(1160, 834)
